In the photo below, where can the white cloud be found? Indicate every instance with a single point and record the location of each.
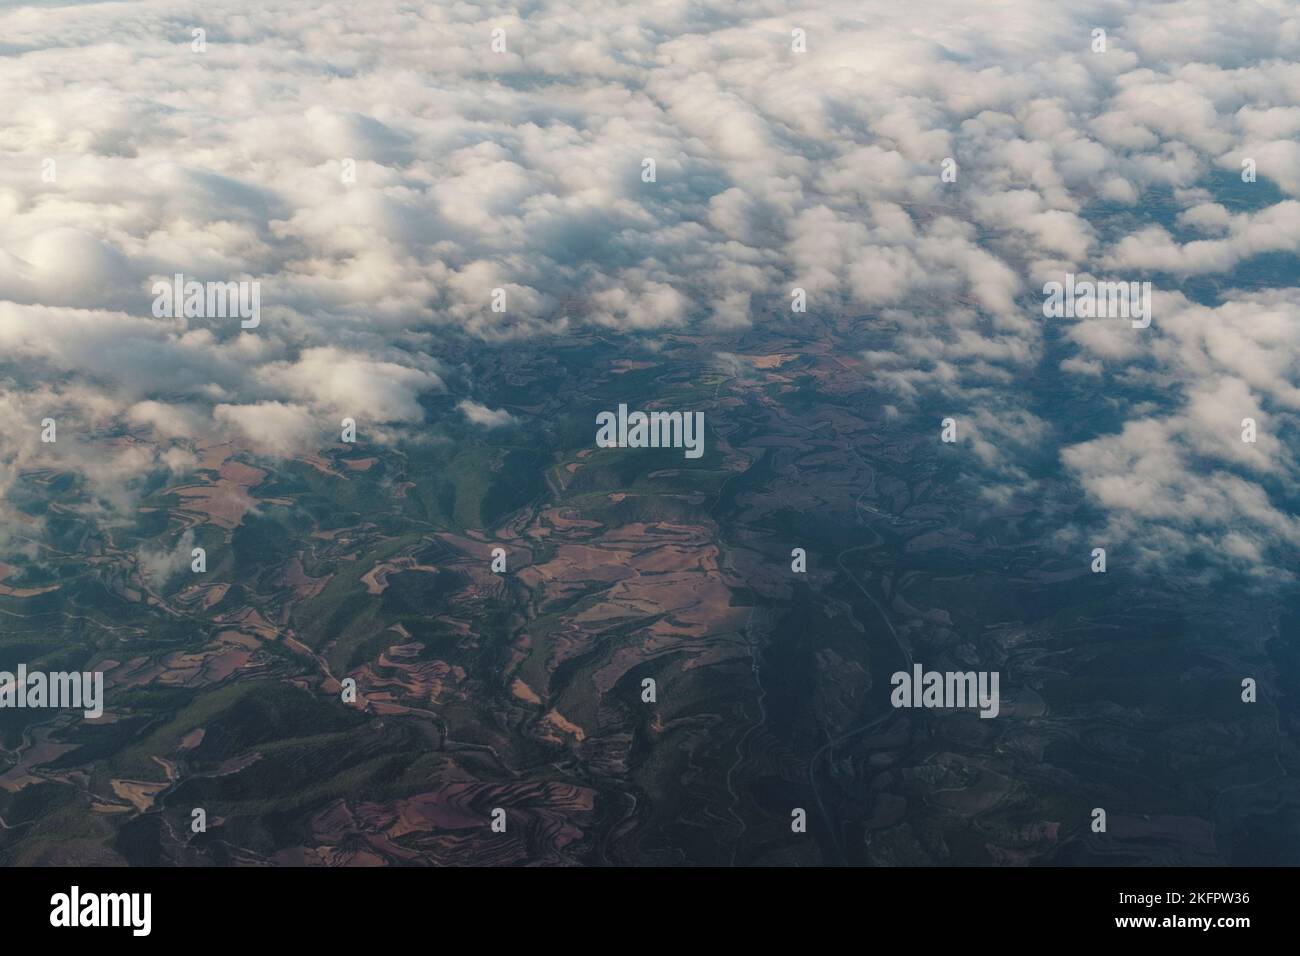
(484, 416)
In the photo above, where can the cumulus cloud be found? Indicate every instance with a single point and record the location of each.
(1152, 249)
(273, 427)
(484, 416)
(354, 385)
(158, 566)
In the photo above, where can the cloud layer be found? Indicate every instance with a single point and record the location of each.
(380, 170)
